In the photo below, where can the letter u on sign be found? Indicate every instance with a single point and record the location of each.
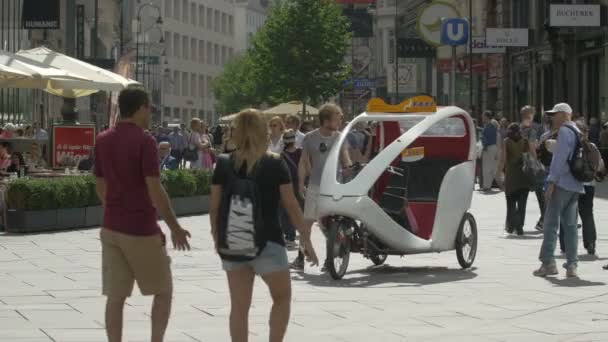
(454, 31)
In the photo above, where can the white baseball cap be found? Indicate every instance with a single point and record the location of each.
(560, 107)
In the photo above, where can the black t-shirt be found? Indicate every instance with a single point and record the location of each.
(271, 174)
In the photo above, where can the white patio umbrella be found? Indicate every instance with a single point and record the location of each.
(102, 79)
(8, 73)
(38, 76)
(294, 107)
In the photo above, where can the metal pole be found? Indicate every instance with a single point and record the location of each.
(396, 54)
(121, 26)
(471, 55)
(453, 78)
(137, 51)
(352, 62)
(95, 32)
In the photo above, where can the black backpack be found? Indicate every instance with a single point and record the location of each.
(240, 218)
(582, 164)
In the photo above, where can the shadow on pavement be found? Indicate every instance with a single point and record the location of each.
(584, 257)
(573, 282)
(524, 237)
(601, 190)
(8, 235)
(390, 276)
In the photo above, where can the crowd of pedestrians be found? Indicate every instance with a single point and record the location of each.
(561, 163)
(265, 189)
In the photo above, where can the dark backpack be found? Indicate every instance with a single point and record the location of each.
(582, 164)
(240, 218)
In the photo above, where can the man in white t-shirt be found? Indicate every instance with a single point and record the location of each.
(293, 122)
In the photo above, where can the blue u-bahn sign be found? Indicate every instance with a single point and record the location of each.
(454, 31)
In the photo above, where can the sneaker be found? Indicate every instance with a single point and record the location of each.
(546, 270)
(591, 248)
(539, 226)
(297, 265)
(520, 232)
(571, 271)
(325, 267)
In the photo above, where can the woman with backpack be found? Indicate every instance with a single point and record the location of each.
(248, 186)
(517, 185)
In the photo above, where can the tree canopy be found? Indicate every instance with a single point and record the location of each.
(298, 54)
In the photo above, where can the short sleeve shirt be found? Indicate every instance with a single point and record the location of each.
(272, 173)
(317, 146)
(124, 157)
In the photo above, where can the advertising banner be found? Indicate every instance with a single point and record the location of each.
(507, 36)
(480, 46)
(71, 144)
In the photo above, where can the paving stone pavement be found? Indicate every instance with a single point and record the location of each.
(50, 291)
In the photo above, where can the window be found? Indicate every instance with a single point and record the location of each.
(176, 114)
(201, 86)
(185, 9)
(209, 19)
(193, 49)
(185, 49)
(185, 115)
(168, 43)
(216, 50)
(230, 52)
(224, 23)
(209, 53)
(201, 52)
(176, 83)
(176, 10)
(193, 113)
(193, 14)
(201, 114)
(201, 16)
(209, 87)
(216, 21)
(224, 53)
(176, 46)
(230, 24)
(185, 91)
(168, 8)
(193, 91)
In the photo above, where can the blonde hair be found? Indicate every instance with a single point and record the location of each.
(279, 121)
(250, 137)
(327, 111)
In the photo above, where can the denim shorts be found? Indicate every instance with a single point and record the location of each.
(272, 259)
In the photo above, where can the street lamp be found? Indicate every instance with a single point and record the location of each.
(160, 42)
(159, 21)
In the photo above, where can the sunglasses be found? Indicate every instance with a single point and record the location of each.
(322, 147)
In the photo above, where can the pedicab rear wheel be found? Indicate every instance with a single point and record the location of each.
(466, 241)
(338, 249)
(378, 259)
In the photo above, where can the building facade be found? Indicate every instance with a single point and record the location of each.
(249, 16)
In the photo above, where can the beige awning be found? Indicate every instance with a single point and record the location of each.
(291, 108)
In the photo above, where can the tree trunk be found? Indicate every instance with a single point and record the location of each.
(303, 110)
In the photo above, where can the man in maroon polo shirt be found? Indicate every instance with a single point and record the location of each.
(133, 245)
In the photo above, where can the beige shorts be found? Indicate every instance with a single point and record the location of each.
(311, 210)
(128, 258)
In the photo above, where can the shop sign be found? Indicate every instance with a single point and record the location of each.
(575, 15)
(480, 46)
(408, 78)
(507, 36)
(72, 144)
(415, 48)
(39, 14)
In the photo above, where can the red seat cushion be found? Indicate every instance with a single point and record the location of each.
(421, 216)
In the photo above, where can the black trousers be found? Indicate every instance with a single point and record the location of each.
(585, 210)
(516, 210)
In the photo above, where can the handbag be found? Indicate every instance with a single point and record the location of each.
(190, 154)
(532, 168)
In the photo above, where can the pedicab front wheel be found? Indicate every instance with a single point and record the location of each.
(338, 250)
(466, 241)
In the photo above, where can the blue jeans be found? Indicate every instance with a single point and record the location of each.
(561, 208)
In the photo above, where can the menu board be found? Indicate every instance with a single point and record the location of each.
(71, 144)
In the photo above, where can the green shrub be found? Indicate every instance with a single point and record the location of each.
(79, 191)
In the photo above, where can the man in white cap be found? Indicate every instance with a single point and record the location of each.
(561, 196)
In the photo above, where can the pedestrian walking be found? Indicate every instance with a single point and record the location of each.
(198, 142)
(276, 127)
(315, 149)
(516, 183)
(132, 244)
(489, 155)
(291, 155)
(250, 183)
(585, 200)
(293, 122)
(532, 131)
(561, 196)
(178, 145)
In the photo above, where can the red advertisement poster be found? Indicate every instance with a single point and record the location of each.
(71, 144)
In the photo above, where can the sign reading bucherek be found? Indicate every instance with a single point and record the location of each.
(575, 15)
(41, 14)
